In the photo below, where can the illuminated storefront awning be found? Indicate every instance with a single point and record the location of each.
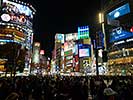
(121, 60)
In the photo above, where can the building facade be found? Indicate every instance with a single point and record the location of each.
(16, 32)
(118, 25)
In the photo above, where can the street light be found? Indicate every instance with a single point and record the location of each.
(101, 21)
(101, 18)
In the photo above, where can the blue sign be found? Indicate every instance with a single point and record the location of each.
(100, 41)
(120, 11)
(60, 37)
(119, 34)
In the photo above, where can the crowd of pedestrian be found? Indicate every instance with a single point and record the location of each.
(66, 88)
(44, 88)
(111, 88)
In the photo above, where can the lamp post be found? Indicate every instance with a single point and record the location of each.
(96, 54)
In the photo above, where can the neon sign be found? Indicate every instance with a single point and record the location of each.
(120, 11)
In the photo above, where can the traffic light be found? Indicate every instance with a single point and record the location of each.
(104, 56)
(128, 28)
(131, 29)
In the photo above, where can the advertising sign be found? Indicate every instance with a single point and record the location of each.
(119, 34)
(68, 45)
(84, 50)
(76, 62)
(100, 40)
(75, 49)
(16, 13)
(71, 36)
(59, 37)
(67, 53)
(83, 32)
(120, 11)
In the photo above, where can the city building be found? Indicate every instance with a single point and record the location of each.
(16, 33)
(118, 26)
(73, 52)
(58, 54)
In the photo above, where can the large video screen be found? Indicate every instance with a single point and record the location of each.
(120, 11)
(119, 34)
(84, 52)
(16, 13)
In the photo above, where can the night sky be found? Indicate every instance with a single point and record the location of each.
(61, 16)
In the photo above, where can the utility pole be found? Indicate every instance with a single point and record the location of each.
(96, 55)
(102, 22)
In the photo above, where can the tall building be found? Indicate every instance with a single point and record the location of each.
(36, 53)
(16, 32)
(118, 25)
(71, 52)
(85, 51)
(58, 52)
(65, 53)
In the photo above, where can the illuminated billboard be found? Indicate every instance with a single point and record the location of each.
(16, 13)
(71, 36)
(83, 32)
(59, 38)
(120, 11)
(68, 45)
(69, 41)
(119, 34)
(100, 40)
(36, 53)
(75, 49)
(84, 50)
